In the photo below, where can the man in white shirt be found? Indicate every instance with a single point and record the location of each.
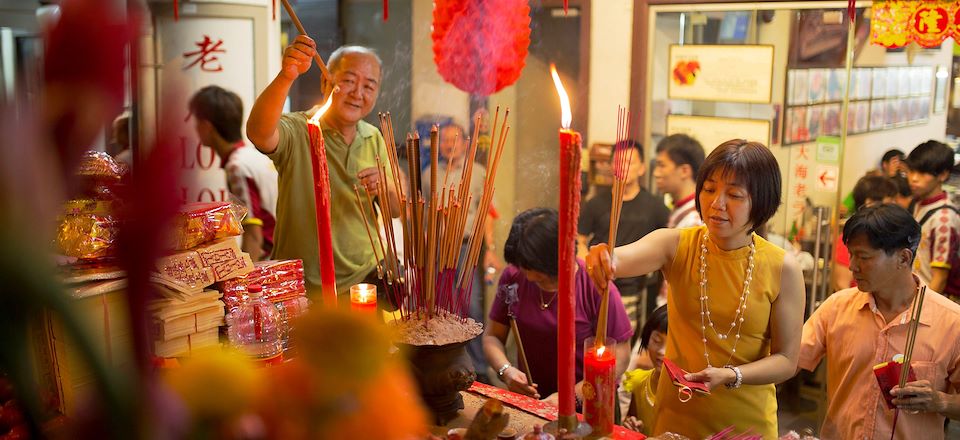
(251, 176)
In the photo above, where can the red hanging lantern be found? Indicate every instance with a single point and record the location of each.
(481, 47)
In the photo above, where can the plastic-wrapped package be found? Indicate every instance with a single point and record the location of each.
(282, 280)
(199, 223)
(100, 167)
(87, 236)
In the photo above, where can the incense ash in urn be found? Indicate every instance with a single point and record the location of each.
(436, 349)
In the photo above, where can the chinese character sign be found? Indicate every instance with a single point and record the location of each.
(198, 51)
(895, 23)
(205, 55)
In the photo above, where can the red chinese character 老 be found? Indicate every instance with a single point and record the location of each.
(800, 190)
(206, 55)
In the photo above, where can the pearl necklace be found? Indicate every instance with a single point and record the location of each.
(738, 318)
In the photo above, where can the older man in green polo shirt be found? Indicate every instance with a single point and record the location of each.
(352, 146)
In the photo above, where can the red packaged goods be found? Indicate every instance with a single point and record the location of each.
(281, 280)
(199, 223)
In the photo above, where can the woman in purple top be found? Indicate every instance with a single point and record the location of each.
(528, 292)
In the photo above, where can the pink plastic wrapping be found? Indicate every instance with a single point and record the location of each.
(199, 223)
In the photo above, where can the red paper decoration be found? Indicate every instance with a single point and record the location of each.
(480, 47)
(895, 23)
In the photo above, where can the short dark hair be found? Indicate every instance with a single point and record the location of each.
(902, 184)
(872, 187)
(887, 227)
(222, 108)
(657, 321)
(683, 150)
(628, 143)
(532, 242)
(931, 157)
(892, 153)
(754, 166)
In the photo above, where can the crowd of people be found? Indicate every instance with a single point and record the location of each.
(698, 259)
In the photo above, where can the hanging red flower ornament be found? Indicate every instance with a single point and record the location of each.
(895, 23)
(481, 47)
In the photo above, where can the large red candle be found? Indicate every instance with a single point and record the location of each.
(321, 192)
(566, 249)
(599, 385)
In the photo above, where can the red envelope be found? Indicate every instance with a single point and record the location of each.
(888, 376)
(677, 376)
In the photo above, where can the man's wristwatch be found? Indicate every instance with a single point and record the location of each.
(503, 369)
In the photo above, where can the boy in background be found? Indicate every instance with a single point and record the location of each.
(929, 166)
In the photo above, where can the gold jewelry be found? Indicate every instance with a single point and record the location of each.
(649, 395)
(544, 305)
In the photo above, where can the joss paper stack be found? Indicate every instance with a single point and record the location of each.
(183, 324)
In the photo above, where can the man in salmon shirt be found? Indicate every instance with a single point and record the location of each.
(862, 326)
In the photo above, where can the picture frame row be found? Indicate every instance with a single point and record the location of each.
(819, 86)
(806, 123)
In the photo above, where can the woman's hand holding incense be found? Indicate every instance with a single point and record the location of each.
(713, 377)
(298, 57)
(632, 423)
(600, 264)
(517, 382)
(918, 396)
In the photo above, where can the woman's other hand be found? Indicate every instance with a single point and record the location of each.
(516, 381)
(632, 423)
(713, 377)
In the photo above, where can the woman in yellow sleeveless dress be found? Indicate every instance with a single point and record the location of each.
(737, 326)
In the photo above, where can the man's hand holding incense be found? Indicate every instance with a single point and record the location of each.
(600, 264)
(920, 396)
(298, 57)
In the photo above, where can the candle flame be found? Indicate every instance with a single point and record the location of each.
(600, 350)
(326, 105)
(565, 115)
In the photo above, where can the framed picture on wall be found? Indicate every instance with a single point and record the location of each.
(864, 77)
(814, 121)
(876, 114)
(835, 84)
(893, 82)
(818, 85)
(831, 119)
(879, 86)
(799, 85)
(941, 86)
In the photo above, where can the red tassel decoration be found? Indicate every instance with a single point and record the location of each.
(386, 9)
(176, 10)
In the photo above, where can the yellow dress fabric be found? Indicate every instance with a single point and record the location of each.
(638, 383)
(751, 407)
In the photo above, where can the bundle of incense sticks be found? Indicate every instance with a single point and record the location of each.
(915, 310)
(433, 275)
(911, 335)
(622, 156)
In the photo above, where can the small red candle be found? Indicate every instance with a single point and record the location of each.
(566, 299)
(599, 385)
(363, 298)
(321, 192)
